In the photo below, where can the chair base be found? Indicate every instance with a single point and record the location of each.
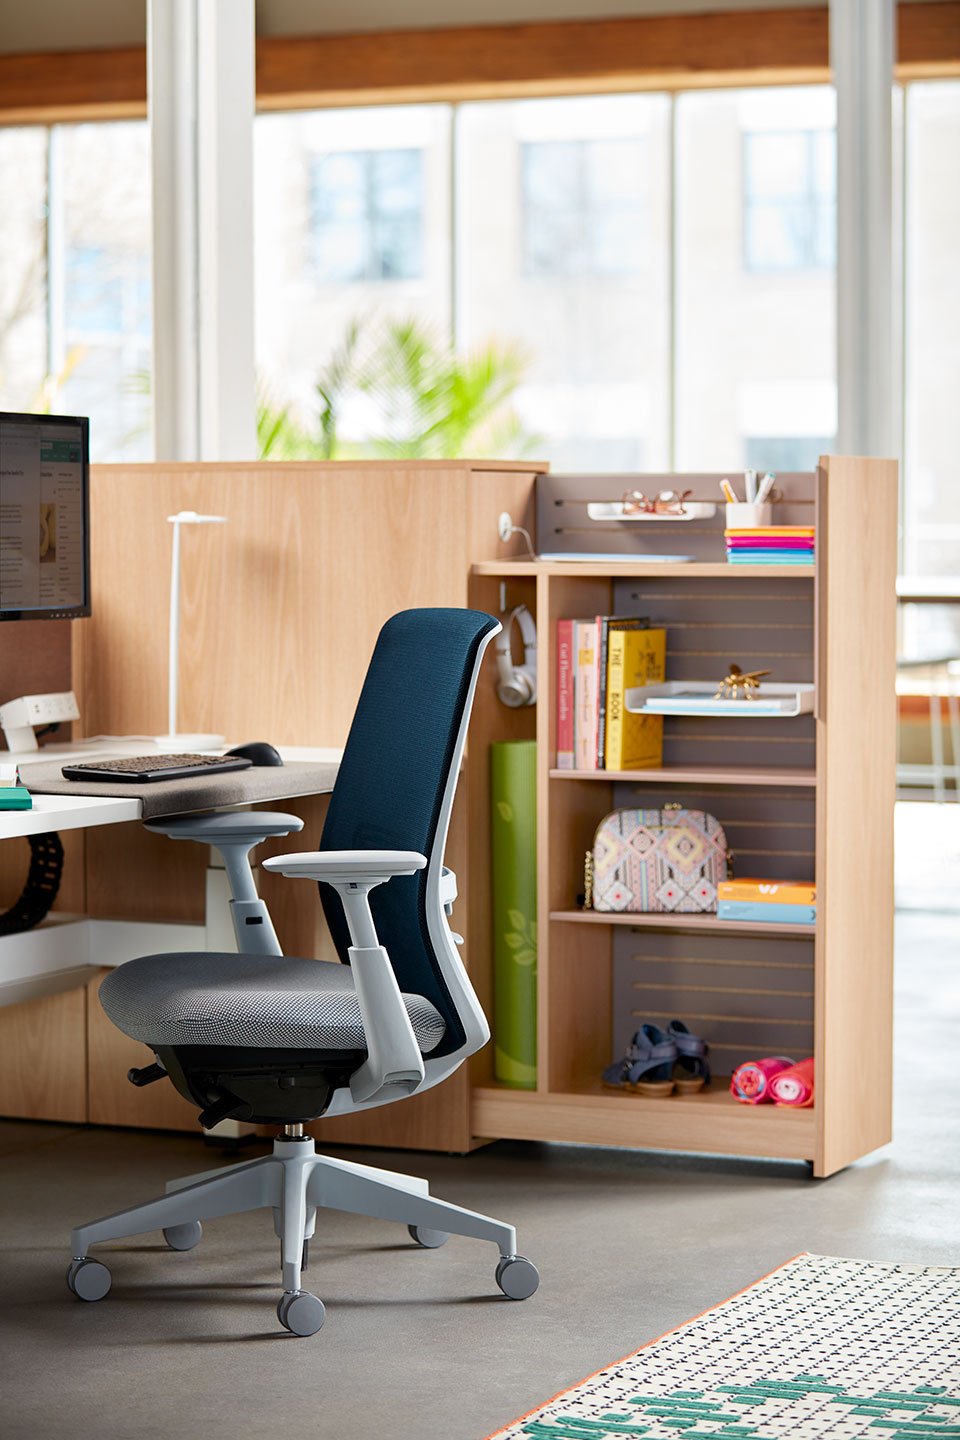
(295, 1182)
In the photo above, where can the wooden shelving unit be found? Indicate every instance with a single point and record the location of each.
(808, 796)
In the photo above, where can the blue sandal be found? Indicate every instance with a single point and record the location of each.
(647, 1066)
(692, 1066)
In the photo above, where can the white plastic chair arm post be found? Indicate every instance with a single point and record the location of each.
(393, 1054)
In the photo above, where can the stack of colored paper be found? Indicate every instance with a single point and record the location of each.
(783, 902)
(771, 545)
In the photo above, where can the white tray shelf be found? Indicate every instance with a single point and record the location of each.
(696, 697)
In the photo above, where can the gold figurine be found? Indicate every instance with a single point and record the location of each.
(738, 685)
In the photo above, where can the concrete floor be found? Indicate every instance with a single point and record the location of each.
(419, 1345)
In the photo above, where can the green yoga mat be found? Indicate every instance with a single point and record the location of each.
(513, 796)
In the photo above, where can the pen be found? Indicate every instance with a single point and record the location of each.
(766, 485)
(750, 486)
(729, 492)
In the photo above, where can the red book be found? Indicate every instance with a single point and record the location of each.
(565, 694)
(768, 542)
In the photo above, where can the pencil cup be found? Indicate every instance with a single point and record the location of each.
(748, 517)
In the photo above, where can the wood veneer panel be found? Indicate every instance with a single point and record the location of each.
(113, 1100)
(856, 748)
(43, 1058)
(472, 62)
(711, 1122)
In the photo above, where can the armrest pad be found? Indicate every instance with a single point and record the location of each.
(232, 826)
(345, 866)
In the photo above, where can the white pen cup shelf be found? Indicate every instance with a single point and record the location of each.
(697, 697)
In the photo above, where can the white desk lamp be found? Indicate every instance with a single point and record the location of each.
(173, 740)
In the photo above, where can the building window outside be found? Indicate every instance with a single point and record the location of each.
(785, 453)
(790, 200)
(583, 207)
(75, 283)
(366, 215)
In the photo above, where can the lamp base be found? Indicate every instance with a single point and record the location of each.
(187, 744)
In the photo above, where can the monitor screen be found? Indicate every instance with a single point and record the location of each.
(44, 517)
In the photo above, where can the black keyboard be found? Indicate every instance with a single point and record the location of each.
(141, 769)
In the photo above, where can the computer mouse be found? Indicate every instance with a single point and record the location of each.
(258, 752)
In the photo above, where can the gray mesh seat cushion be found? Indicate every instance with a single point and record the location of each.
(199, 998)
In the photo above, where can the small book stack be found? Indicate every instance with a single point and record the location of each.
(13, 796)
(781, 902)
(771, 545)
(598, 660)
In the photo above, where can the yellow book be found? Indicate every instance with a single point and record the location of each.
(634, 657)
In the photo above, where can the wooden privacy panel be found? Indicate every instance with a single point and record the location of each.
(746, 995)
(564, 526)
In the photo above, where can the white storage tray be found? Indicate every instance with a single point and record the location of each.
(613, 510)
(696, 697)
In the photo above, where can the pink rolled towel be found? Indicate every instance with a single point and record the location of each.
(794, 1086)
(750, 1083)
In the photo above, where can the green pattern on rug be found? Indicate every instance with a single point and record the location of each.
(884, 1342)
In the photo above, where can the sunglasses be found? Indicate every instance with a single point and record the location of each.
(667, 502)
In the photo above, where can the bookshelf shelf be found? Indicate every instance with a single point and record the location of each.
(697, 775)
(812, 800)
(690, 923)
(638, 570)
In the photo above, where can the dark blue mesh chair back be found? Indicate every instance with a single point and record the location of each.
(392, 780)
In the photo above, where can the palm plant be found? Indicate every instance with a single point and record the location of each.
(432, 403)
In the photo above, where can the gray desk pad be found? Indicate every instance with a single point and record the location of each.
(200, 792)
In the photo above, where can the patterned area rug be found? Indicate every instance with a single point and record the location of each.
(820, 1348)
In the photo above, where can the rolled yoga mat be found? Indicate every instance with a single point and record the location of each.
(750, 1083)
(513, 833)
(794, 1086)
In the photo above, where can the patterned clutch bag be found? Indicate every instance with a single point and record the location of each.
(657, 860)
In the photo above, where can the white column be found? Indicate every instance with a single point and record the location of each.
(861, 56)
(201, 91)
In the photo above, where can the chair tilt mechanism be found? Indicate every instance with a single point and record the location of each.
(274, 1039)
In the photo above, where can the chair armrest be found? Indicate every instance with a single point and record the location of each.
(339, 867)
(231, 827)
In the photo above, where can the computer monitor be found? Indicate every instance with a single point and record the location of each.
(44, 517)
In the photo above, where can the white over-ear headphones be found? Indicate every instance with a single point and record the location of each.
(517, 684)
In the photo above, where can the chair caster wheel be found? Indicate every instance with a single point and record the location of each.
(517, 1277)
(184, 1237)
(88, 1279)
(428, 1239)
(301, 1314)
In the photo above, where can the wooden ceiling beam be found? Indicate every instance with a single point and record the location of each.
(493, 62)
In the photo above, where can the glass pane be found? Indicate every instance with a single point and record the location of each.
(374, 252)
(932, 324)
(564, 236)
(23, 243)
(100, 319)
(755, 327)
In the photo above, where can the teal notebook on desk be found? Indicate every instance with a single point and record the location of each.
(15, 797)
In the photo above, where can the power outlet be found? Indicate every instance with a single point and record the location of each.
(18, 717)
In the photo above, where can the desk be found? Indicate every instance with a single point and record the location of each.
(46, 971)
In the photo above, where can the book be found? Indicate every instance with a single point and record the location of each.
(585, 695)
(635, 657)
(765, 911)
(565, 668)
(604, 625)
(15, 797)
(782, 892)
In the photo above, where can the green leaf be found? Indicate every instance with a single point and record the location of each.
(517, 919)
(512, 940)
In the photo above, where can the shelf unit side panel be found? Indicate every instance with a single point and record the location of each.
(856, 762)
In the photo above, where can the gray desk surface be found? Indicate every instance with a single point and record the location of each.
(260, 784)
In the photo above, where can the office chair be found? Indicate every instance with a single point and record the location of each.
(280, 1040)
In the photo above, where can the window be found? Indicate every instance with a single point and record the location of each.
(366, 215)
(75, 322)
(931, 513)
(751, 360)
(789, 200)
(785, 453)
(563, 248)
(582, 207)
